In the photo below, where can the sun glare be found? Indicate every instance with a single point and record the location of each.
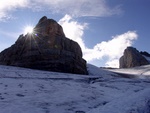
(28, 29)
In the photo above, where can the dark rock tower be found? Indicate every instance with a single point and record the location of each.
(46, 48)
(132, 58)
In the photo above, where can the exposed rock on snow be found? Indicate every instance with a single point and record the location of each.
(132, 58)
(46, 48)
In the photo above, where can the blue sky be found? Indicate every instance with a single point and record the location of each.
(103, 28)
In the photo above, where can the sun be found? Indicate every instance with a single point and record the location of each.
(28, 29)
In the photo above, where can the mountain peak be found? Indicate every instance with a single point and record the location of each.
(132, 58)
(46, 48)
(48, 27)
(42, 19)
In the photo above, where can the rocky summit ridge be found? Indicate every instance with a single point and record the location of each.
(47, 48)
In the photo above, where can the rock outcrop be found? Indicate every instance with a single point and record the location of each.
(132, 58)
(46, 48)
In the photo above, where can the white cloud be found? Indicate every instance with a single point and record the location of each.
(81, 7)
(78, 8)
(7, 6)
(112, 49)
(73, 29)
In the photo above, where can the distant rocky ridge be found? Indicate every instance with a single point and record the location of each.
(132, 58)
(46, 48)
(145, 53)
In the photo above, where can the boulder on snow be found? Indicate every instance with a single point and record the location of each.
(132, 58)
(46, 48)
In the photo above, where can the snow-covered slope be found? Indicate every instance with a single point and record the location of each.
(32, 91)
(141, 71)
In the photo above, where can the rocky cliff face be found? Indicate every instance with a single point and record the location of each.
(46, 48)
(132, 58)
